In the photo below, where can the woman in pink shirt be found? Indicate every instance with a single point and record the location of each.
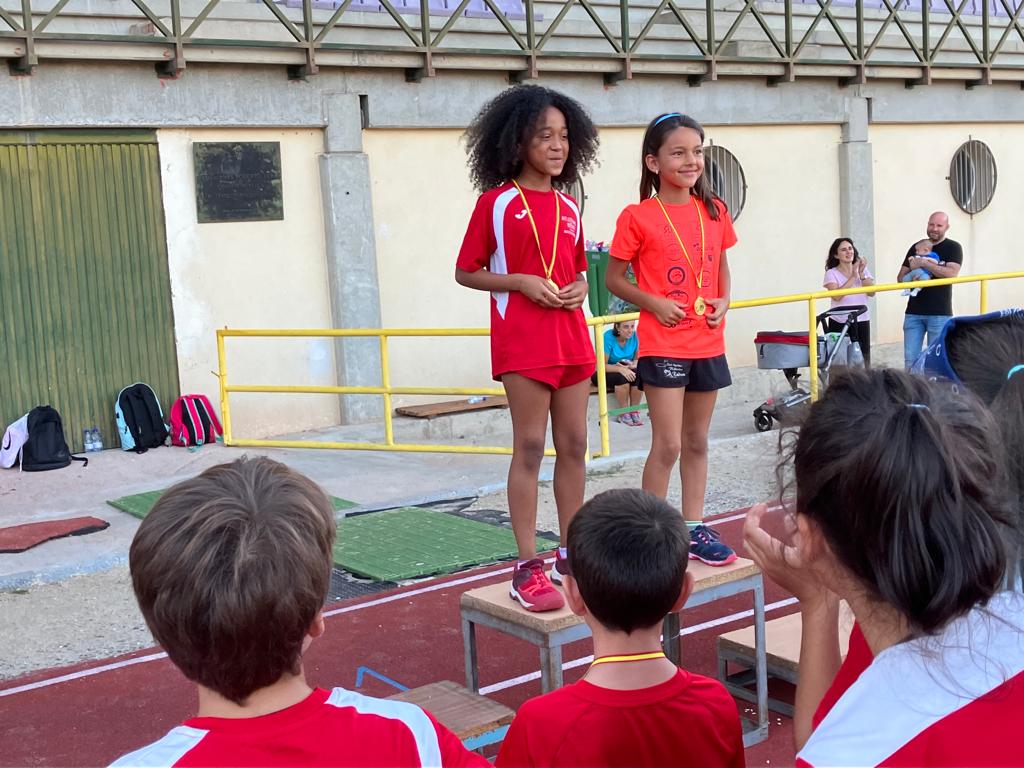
(844, 268)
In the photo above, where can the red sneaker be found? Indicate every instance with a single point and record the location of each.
(531, 588)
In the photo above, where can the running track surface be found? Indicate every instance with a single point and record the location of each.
(90, 713)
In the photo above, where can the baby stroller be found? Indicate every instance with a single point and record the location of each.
(788, 352)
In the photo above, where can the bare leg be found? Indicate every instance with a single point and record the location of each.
(528, 402)
(569, 432)
(622, 395)
(693, 464)
(665, 406)
(635, 396)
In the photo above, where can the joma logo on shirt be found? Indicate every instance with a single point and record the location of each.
(569, 222)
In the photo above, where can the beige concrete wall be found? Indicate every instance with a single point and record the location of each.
(911, 164)
(422, 200)
(269, 274)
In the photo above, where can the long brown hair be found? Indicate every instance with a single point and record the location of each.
(832, 260)
(906, 480)
(655, 135)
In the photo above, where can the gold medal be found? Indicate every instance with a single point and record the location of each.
(554, 285)
(700, 306)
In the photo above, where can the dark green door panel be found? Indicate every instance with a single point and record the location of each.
(85, 300)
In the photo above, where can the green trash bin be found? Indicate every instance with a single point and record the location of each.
(602, 302)
(597, 265)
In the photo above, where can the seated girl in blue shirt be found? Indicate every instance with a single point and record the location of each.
(620, 348)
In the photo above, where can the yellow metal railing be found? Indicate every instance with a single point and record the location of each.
(386, 390)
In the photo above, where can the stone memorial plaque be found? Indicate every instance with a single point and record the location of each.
(238, 181)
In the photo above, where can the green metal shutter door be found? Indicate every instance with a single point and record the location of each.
(85, 299)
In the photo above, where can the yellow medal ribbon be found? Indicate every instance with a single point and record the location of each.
(628, 657)
(699, 305)
(548, 268)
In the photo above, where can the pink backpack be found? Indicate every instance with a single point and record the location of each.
(193, 421)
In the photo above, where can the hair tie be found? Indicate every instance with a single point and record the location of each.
(918, 405)
(663, 118)
(1015, 369)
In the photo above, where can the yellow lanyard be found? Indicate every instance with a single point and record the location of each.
(548, 268)
(628, 657)
(699, 305)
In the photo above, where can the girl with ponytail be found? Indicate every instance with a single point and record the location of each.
(904, 510)
(676, 238)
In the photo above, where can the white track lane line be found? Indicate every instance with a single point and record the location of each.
(347, 609)
(513, 682)
(157, 656)
(82, 673)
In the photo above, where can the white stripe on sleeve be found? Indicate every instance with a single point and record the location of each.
(411, 716)
(166, 752)
(911, 686)
(499, 261)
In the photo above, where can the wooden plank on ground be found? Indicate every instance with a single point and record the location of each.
(433, 410)
(463, 712)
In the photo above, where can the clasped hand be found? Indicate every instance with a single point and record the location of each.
(539, 291)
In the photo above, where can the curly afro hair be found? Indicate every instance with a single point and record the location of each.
(495, 138)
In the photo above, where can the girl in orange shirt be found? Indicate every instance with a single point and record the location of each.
(676, 239)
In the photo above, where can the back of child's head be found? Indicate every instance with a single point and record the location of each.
(498, 136)
(628, 552)
(905, 480)
(657, 133)
(988, 357)
(230, 569)
(923, 246)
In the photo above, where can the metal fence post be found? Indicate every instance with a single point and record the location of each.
(222, 378)
(812, 347)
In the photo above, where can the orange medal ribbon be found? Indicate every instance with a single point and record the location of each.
(548, 268)
(699, 304)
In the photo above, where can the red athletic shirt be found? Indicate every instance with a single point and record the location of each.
(328, 728)
(686, 721)
(956, 699)
(644, 238)
(500, 238)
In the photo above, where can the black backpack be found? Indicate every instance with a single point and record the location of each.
(140, 418)
(46, 447)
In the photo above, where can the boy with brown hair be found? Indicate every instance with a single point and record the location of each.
(231, 570)
(628, 552)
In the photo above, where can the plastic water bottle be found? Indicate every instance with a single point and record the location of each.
(97, 439)
(476, 399)
(87, 439)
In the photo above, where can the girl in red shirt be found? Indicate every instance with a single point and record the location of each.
(525, 245)
(904, 509)
(676, 239)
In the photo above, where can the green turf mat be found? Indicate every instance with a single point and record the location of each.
(140, 503)
(410, 542)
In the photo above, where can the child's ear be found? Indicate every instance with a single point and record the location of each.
(810, 540)
(318, 627)
(573, 596)
(684, 593)
(652, 163)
